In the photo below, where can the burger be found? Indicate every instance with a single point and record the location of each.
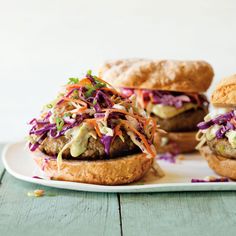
(217, 133)
(171, 92)
(93, 134)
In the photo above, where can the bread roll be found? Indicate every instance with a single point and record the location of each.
(225, 93)
(117, 171)
(182, 142)
(182, 76)
(223, 166)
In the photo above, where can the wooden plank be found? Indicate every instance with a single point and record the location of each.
(194, 213)
(66, 213)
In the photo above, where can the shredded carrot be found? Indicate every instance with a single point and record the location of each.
(82, 82)
(75, 101)
(103, 81)
(85, 82)
(78, 110)
(148, 121)
(73, 86)
(110, 89)
(124, 112)
(95, 125)
(117, 131)
(140, 99)
(142, 137)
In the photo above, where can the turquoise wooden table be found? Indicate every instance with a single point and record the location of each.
(68, 213)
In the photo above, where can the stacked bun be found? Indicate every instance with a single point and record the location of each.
(93, 134)
(170, 91)
(218, 132)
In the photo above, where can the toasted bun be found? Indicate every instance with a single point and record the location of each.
(223, 166)
(182, 142)
(118, 171)
(183, 76)
(225, 93)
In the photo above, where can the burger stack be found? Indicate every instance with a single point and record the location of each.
(217, 133)
(171, 92)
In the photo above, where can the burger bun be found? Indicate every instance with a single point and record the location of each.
(171, 75)
(224, 94)
(223, 166)
(182, 142)
(116, 171)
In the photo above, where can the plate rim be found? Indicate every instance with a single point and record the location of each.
(161, 187)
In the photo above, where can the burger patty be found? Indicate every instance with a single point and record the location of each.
(95, 149)
(222, 147)
(184, 122)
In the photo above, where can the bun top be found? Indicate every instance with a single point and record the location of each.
(182, 76)
(225, 93)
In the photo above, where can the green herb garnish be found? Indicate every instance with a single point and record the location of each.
(99, 85)
(67, 114)
(59, 123)
(49, 106)
(90, 90)
(75, 94)
(73, 81)
(89, 72)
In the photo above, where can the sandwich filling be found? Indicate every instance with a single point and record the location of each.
(172, 108)
(218, 131)
(88, 120)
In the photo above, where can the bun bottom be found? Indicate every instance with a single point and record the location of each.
(223, 166)
(117, 171)
(182, 142)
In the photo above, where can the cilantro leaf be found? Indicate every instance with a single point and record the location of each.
(89, 92)
(73, 81)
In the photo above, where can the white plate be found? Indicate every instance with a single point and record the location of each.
(20, 164)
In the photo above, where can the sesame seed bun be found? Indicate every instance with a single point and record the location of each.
(182, 76)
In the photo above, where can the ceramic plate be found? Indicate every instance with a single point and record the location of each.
(20, 164)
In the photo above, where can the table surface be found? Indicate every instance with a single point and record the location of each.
(65, 212)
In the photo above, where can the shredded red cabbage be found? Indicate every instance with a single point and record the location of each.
(106, 141)
(93, 98)
(170, 157)
(99, 115)
(102, 99)
(36, 177)
(97, 99)
(223, 120)
(222, 179)
(34, 146)
(168, 98)
(91, 78)
(69, 120)
(43, 129)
